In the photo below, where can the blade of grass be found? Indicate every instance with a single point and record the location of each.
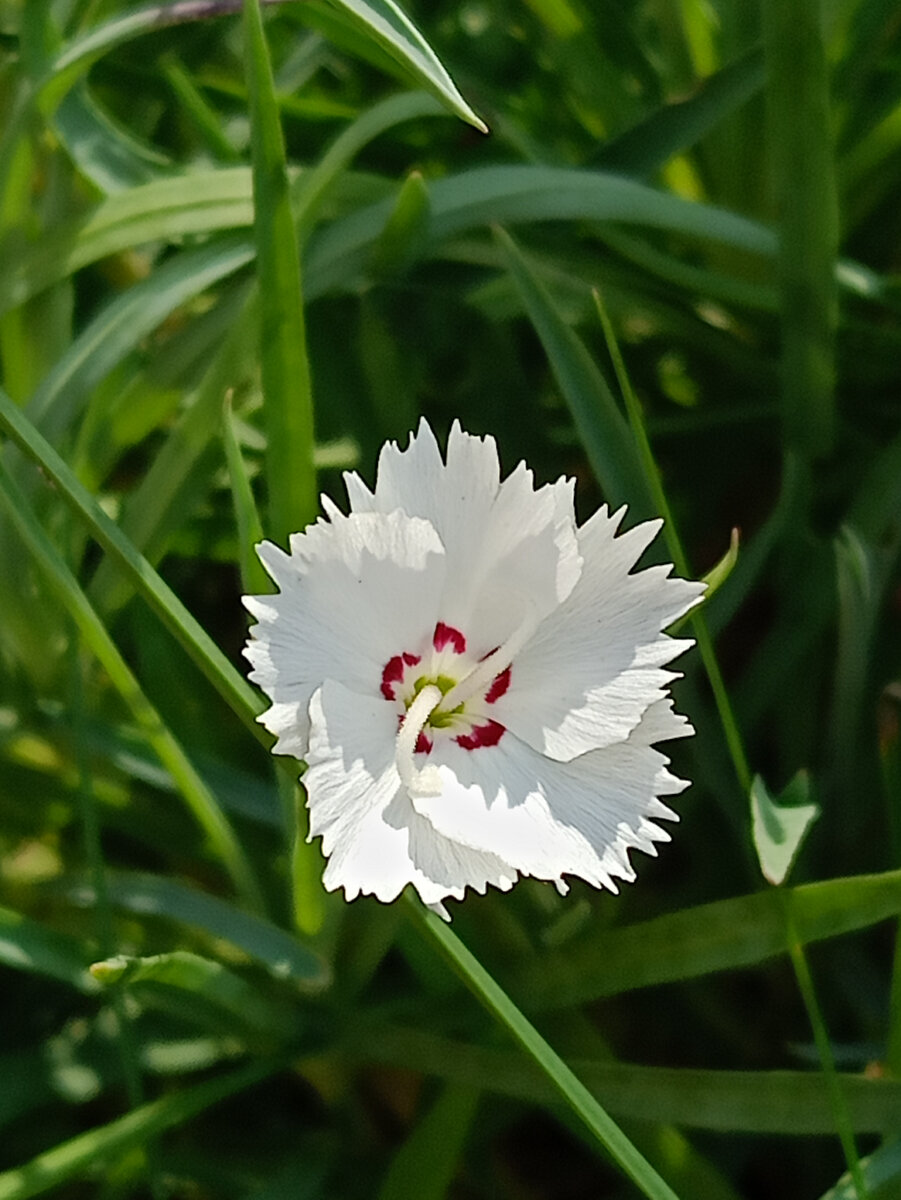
(287, 390)
(673, 541)
(600, 424)
(565, 1083)
(198, 796)
(74, 1158)
(724, 935)
(801, 155)
(230, 684)
(790, 1103)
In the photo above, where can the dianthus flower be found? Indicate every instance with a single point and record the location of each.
(475, 683)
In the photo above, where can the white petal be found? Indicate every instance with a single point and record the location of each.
(376, 842)
(354, 592)
(511, 550)
(549, 818)
(594, 665)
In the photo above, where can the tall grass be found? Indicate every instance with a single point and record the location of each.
(245, 242)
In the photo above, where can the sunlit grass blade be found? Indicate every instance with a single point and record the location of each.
(801, 140)
(202, 803)
(119, 327)
(74, 1158)
(674, 544)
(566, 1085)
(287, 389)
(230, 684)
(382, 21)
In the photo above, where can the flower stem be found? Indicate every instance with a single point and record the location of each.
(697, 618)
(571, 1089)
(824, 1049)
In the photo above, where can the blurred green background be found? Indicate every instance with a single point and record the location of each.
(723, 178)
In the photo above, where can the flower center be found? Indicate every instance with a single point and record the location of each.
(445, 692)
(464, 689)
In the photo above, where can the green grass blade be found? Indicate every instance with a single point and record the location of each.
(74, 1158)
(706, 938)
(799, 123)
(247, 519)
(230, 684)
(793, 1103)
(119, 327)
(566, 1085)
(390, 28)
(287, 390)
(283, 956)
(426, 1163)
(647, 146)
(382, 21)
(200, 989)
(198, 796)
(599, 422)
(26, 945)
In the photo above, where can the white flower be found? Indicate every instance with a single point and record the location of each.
(475, 683)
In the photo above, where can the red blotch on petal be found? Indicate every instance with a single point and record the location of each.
(498, 687)
(446, 635)
(394, 672)
(488, 734)
(423, 744)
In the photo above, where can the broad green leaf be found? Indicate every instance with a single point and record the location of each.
(283, 956)
(780, 826)
(697, 941)
(287, 389)
(560, 1078)
(222, 199)
(600, 423)
(754, 1102)
(26, 945)
(200, 989)
(78, 1156)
